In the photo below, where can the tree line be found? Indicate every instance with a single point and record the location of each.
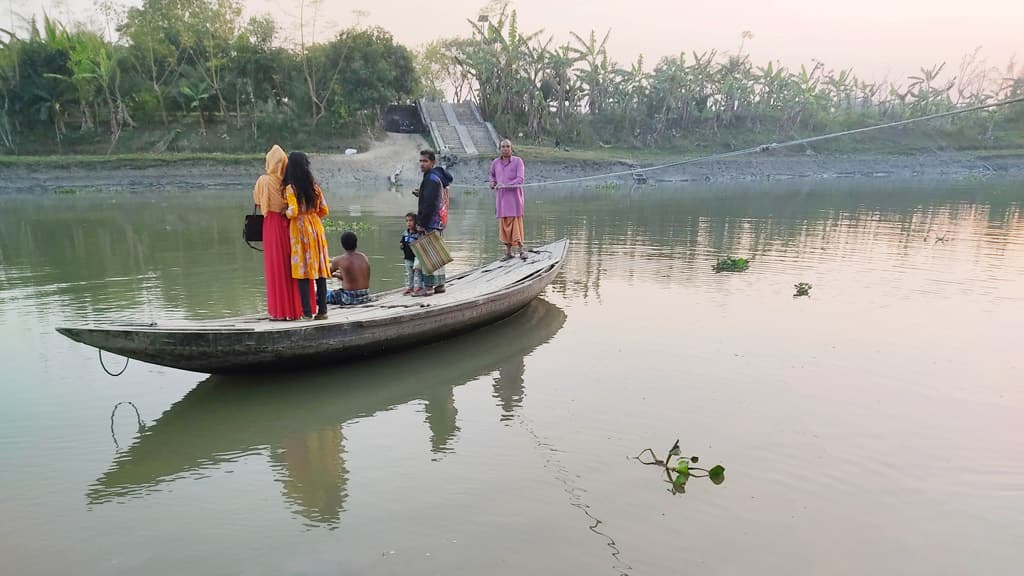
(197, 61)
(191, 64)
(529, 84)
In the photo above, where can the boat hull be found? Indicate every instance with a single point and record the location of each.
(248, 345)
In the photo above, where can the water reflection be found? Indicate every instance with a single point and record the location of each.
(226, 418)
(170, 259)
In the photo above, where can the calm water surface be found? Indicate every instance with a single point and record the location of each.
(873, 426)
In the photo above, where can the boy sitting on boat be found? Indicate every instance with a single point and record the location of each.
(353, 269)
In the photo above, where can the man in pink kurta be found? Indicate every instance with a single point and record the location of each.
(507, 176)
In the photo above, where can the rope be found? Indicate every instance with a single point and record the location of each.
(138, 419)
(249, 244)
(764, 147)
(104, 366)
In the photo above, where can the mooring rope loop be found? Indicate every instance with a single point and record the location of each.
(104, 366)
(138, 419)
(763, 147)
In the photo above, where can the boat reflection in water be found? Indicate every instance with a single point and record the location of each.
(300, 417)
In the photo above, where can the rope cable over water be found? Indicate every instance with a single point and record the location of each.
(764, 147)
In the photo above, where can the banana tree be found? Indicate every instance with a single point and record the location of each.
(594, 74)
(195, 97)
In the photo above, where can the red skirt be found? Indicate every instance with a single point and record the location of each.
(282, 290)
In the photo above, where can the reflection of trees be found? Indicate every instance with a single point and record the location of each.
(188, 246)
(662, 233)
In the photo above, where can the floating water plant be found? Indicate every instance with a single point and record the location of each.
(332, 225)
(609, 186)
(681, 469)
(65, 191)
(802, 289)
(731, 264)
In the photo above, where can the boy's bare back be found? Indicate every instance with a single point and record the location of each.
(353, 268)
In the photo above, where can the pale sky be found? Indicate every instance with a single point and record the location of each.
(878, 38)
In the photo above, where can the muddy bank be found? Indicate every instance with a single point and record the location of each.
(770, 166)
(399, 153)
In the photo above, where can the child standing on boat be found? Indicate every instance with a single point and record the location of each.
(412, 276)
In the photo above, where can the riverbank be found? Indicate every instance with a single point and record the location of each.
(394, 152)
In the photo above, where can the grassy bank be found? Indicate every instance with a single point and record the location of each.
(223, 145)
(183, 138)
(904, 141)
(128, 160)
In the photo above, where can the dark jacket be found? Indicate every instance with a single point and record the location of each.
(407, 239)
(428, 215)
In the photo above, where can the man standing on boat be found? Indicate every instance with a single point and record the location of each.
(432, 212)
(507, 176)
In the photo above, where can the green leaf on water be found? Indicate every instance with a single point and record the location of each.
(730, 264)
(717, 474)
(680, 480)
(683, 468)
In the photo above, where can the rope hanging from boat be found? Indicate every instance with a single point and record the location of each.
(105, 369)
(138, 419)
(249, 244)
(766, 147)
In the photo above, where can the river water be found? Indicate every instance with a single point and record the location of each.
(873, 426)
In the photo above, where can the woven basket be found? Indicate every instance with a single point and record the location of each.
(431, 252)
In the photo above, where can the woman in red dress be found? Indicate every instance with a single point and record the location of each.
(283, 301)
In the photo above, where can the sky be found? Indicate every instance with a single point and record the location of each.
(879, 39)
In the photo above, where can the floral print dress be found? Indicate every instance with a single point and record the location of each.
(310, 258)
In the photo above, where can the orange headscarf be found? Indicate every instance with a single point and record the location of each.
(269, 191)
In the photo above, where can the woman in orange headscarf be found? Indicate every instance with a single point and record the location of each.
(283, 301)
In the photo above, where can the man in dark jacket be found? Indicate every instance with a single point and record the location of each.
(432, 211)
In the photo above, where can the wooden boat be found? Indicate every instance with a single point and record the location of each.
(390, 322)
(227, 417)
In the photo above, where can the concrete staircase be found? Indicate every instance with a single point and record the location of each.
(459, 128)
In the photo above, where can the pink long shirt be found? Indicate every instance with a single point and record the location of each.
(509, 178)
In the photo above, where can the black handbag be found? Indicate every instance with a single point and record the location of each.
(252, 231)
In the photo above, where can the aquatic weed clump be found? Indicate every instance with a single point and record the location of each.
(802, 289)
(357, 226)
(730, 264)
(681, 470)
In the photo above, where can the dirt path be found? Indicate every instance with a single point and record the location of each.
(394, 152)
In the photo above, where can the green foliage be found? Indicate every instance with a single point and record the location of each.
(356, 226)
(802, 289)
(65, 191)
(678, 473)
(573, 92)
(730, 264)
(609, 186)
(196, 66)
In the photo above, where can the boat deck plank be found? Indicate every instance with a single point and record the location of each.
(460, 288)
